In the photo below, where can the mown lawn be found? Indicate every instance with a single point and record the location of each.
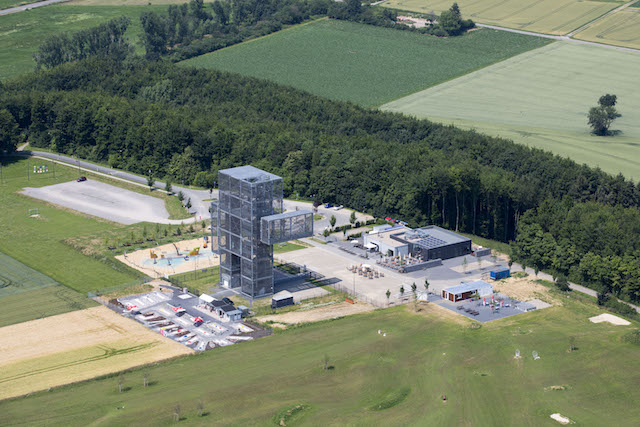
(398, 379)
(38, 242)
(364, 64)
(22, 33)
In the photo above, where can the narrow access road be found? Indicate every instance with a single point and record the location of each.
(29, 6)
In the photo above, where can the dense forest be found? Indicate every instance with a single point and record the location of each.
(185, 124)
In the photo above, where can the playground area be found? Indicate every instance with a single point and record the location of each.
(173, 258)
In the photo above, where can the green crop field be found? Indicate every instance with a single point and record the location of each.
(541, 98)
(38, 241)
(620, 29)
(361, 63)
(376, 380)
(21, 33)
(541, 16)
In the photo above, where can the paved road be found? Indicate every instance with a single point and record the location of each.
(200, 207)
(29, 6)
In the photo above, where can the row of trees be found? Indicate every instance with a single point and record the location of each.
(449, 23)
(185, 123)
(591, 243)
(195, 28)
(104, 39)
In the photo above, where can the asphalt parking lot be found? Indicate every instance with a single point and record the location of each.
(104, 201)
(157, 313)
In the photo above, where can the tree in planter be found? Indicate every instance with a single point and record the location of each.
(388, 294)
(332, 221)
(352, 218)
(150, 182)
(168, 188)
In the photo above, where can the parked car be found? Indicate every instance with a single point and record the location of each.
(337, 208)
(81, 179)
(403, 223)
(328, 205)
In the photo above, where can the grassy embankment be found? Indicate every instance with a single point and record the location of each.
(395, 379)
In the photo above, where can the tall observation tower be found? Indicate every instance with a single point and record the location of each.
(249, 219)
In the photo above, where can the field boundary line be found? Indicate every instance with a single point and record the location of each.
(599, 18)
(293, 27)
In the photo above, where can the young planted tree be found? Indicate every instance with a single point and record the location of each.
(332, 221)
(326, 233)
(465, 264)
(203, 225)
(200, 408)
(180, 195)
(352, 218)
(325, 362)
(414, 290)
(176, 413)
(150, 182)
(401, 291)
(120, 382)
(168, 188)
(426, 285)
(188, 205)
(388, 294)
(145, 379)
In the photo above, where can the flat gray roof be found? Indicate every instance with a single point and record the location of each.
(287, 215)
(250, 174)
(433, 236)
(468, 287)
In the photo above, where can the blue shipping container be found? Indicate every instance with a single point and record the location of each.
(501, 273)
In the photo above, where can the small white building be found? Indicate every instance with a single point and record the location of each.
(467, 290)
(381, 238)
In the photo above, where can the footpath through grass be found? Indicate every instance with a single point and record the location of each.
(361, 63)
(376, 380)
(541, 98)
(38, 241)
(22, 33)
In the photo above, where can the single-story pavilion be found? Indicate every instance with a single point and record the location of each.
(467, 290)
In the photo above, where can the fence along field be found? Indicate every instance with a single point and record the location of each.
(541, 98)
(620, 29)
(26, 294)
(364, 64)
(542, 16)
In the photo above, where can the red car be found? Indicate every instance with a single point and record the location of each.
(82, 178)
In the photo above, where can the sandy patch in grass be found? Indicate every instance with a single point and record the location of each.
(606, 317)
(76, 346)
(317, 314)
(140, 259)
(560, 418)
(524, 289)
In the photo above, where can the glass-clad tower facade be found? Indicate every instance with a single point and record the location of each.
(246, 194)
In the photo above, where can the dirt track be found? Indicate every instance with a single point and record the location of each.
(317, 314)
(76, 346)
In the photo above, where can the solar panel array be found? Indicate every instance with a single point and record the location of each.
(431, 242)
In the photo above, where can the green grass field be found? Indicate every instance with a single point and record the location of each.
(26, 294)
(541, 16)
(361, 63)
(620, 29)
(541, 98)
(21, 33)
(375, 380)
(38, 242)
